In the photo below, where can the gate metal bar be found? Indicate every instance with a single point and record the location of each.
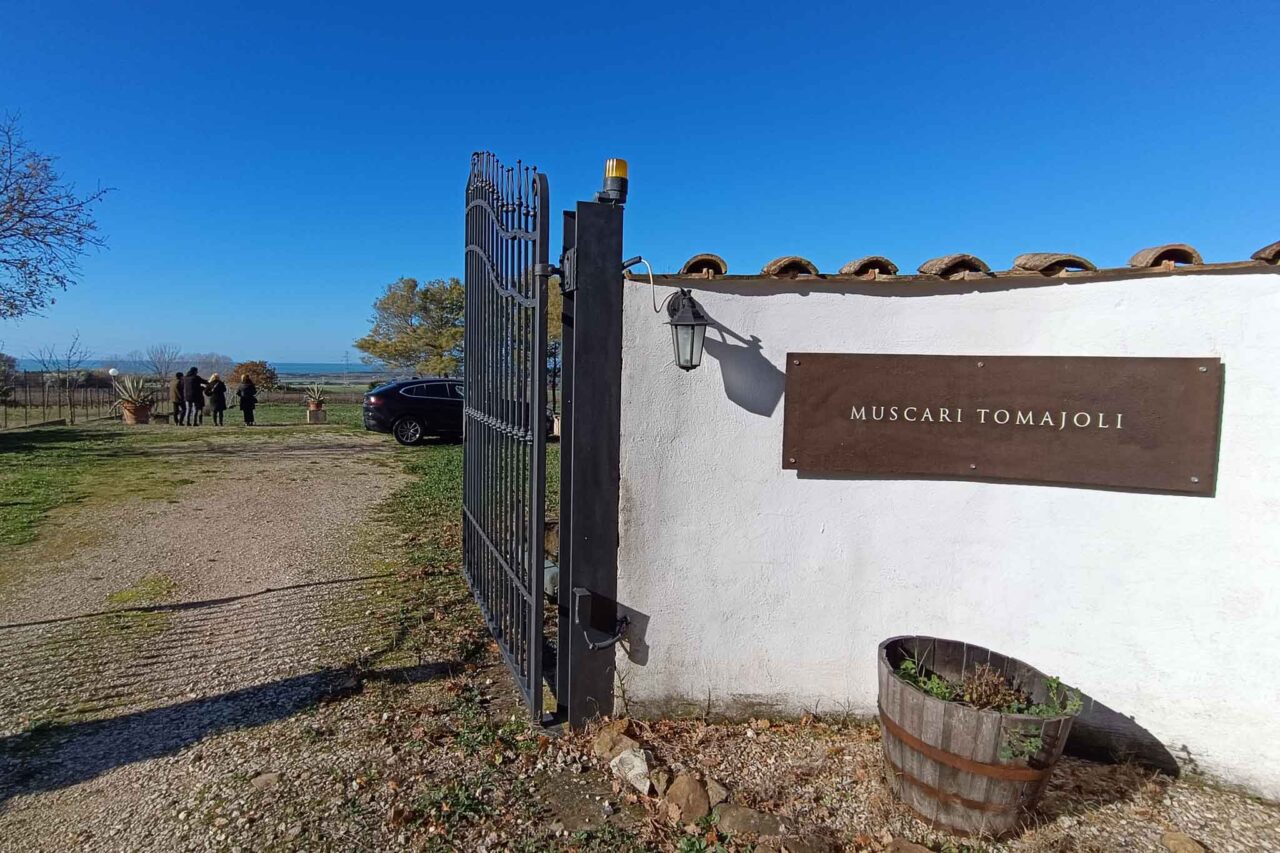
(504, 481)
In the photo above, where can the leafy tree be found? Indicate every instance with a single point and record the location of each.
(555, 307)
(8, 375)
(555, 343)
(418, 327)
(263, 374)
(44, 226)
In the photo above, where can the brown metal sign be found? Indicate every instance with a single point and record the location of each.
(1147, 424)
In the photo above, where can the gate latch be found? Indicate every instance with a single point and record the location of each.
(582, 616)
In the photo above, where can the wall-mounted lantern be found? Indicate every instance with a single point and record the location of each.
(688, 329)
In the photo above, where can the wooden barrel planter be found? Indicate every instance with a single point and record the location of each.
(971, 771)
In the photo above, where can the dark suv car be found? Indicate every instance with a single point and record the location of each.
(413, 409)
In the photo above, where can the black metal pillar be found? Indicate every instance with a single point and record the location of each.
(590, 451)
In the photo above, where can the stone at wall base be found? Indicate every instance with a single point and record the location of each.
(317, 416)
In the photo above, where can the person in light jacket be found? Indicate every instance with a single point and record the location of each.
(175, 397)
(193, 393)
(216, 391)
(247, 394)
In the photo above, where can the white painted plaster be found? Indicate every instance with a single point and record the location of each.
(757, 585)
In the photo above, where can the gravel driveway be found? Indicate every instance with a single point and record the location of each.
(235, 603)
(258, 663)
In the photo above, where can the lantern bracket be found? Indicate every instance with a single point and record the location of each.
(583, 612)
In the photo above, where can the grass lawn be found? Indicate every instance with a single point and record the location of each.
(48, 467)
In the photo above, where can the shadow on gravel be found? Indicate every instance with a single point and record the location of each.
(181, 606)
(59, 756)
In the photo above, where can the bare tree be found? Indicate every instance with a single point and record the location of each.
(134, 361)
(209, 362)
(44, 226)
(64, 365)
(162, 360)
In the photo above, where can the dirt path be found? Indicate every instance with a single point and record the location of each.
(236, 602)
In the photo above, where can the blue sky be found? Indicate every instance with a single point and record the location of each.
(275, 168)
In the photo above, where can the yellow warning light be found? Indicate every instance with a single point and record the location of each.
(615, 168)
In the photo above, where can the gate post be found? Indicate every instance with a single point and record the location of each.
(589, 463)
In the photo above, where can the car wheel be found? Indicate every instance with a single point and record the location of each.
(408, 431)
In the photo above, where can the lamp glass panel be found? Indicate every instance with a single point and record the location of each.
(695, 351)
(684, 345)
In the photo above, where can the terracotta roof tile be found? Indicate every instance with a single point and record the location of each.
(705, 265)
(954, 266)
(789, 266)
(1166, 255)
(1051, 263)
(1268, 254)
(872, 266)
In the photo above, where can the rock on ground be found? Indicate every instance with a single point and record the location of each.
(736, 820)
(1180, 842)
(687, 799)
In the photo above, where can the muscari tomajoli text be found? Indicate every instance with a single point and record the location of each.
(1016, 417)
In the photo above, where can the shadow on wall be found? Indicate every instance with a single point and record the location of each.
(634, 643)
(750, 380)
(1103, 734)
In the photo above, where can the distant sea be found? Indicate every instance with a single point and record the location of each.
(297, 368)
(284, 368)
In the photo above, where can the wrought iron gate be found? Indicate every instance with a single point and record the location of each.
(504, 487)
(505, 473)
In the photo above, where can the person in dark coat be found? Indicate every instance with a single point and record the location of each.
(193, 392)
(247, 393)
(216, 391)
(175, 397)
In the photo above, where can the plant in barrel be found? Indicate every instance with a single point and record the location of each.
(134, 399)
(970, 736)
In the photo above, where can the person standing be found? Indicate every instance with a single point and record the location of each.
(247, 393)
(175, 397)
(216, 391)
(193, 393)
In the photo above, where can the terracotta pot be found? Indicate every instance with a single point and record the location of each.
(134, 413)
(314, 406)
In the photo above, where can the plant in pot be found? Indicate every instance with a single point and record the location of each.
(134, 399)
(970, 737)
(315, 397)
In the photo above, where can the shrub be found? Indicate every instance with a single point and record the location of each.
(985, 687)
(262, 374)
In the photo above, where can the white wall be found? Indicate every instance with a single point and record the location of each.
(759, 589)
